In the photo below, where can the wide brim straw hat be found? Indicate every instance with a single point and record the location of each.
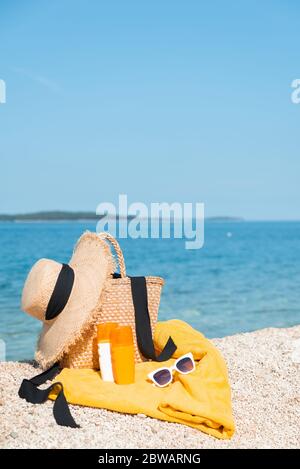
(90, 265)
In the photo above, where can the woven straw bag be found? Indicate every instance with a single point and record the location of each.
(116, 306)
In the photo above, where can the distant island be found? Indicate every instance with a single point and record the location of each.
(57, 215)
(225, 218)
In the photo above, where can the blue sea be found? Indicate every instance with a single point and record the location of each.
(246, 277)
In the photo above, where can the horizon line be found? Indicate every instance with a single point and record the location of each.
(90, 215)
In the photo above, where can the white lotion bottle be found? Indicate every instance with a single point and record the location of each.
(104, 350)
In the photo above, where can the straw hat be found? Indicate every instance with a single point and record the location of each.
(67, 297)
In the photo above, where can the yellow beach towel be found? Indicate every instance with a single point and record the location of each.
(200, 399)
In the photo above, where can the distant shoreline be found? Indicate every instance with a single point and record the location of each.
(55, 216)
(61, 216)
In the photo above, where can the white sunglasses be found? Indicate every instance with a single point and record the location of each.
(164, 376)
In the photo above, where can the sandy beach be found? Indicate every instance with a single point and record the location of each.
(265, 394)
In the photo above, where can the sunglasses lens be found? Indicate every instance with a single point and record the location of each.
(185, 365)
(162, 377)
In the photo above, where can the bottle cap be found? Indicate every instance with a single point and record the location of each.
(122, 335)
(104, 331)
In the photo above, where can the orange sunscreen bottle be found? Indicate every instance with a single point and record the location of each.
(122, 353)
(104, 332)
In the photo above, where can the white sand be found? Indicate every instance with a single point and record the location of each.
(265, 393)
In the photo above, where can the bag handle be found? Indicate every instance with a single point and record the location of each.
(118, 250)
(143, 323)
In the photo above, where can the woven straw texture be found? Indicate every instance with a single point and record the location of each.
(116, 306)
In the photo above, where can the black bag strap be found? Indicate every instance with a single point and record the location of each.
(143, 324)
(31, 393)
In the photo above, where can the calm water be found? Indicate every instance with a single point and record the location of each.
(239, 283)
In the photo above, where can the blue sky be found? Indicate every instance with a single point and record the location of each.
(161, 100)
